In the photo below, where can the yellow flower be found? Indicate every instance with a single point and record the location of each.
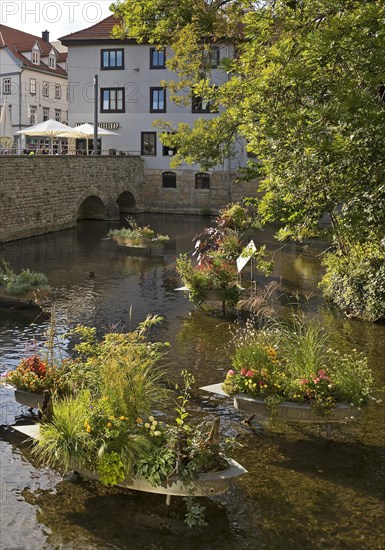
(151, 418)
(147, 425)
(157, 432)
(88, 429)
(122, 418)
(139, 421)
(154, 422)
(152, 427)
(112, 417)
(109, 424)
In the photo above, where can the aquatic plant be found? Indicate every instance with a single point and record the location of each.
(294, 361)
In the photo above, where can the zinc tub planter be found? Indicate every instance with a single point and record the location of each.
(206, 484)
(288, 411)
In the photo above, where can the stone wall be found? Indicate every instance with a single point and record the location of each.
(39, 194)
(186, 199)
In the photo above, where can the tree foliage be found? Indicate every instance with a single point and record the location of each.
(304, 88)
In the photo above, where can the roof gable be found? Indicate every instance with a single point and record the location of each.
(20, 42)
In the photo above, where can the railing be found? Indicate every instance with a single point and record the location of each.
(78, 152)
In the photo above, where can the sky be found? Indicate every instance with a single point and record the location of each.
(59, 17)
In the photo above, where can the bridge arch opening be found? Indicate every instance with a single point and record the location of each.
(92, 208)
(126, 203)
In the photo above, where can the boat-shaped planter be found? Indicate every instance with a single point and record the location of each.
(288, 411)
(207, 484)
(29, 399)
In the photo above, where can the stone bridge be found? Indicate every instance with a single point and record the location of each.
(39, 194)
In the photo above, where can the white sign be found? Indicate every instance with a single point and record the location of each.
(246, 255)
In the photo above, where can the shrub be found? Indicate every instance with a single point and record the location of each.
(355, 281)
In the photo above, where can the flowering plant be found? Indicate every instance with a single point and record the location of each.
(35, 375)
(296, 363)
(134, 235)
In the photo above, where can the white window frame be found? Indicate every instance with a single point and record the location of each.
(32, 86)
(52, 61)
(35, 57)
(57, 91)
(45, 91)
(58, 115)
(6, 85)
(32, 112)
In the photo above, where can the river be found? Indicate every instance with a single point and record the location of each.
(303, 489)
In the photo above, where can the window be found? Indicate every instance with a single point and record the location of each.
(6, 85)
(32, 86)
(32, 114)
(35, 57)
(52, 61)
(58, 115)
(112, 59)
(168, 151)
(169, 180)
(202, 181)
(148, 143)
(45, 114)
(57, 91)
(157, 58)
(45, 89)
(200, 105)
(112, 100)
(157, 100)
(214, 56)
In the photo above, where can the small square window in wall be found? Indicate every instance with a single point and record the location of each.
(112, 100)
(202, 181)
(157, 100)
(157, 58)
(169, 180)
(148, 143)
(112, 59)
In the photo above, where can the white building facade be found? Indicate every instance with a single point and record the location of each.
(33, 78)
(130, 99)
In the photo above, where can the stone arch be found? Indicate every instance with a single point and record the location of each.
(126, 203)
(91, 208)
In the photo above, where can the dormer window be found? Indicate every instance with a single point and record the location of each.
(36, 57)
(52, 61)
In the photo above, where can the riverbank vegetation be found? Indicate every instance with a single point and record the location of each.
(304, 91)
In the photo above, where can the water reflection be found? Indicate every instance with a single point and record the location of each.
(301, 489)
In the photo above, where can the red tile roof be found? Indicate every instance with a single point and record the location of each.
(20, 42)
(100, 31)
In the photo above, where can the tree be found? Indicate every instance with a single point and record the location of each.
(305, 90)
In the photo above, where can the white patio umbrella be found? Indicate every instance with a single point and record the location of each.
(50, 128)
(86, 131)
(6, 132)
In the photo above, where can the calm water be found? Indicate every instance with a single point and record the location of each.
(302, 489)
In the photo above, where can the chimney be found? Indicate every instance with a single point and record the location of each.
(45, 36)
